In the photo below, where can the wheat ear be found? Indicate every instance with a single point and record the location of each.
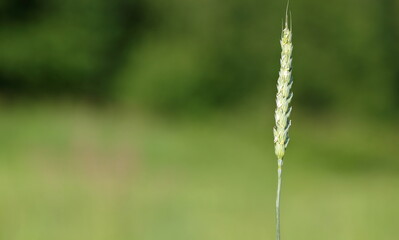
(283, 110)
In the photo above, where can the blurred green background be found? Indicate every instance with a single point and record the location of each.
(152, 120)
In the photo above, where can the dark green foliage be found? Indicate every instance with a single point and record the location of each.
(184, 55)
(61, 47)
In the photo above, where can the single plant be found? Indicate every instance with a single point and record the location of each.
(283, 109)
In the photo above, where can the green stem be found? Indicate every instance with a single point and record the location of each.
(279, 171)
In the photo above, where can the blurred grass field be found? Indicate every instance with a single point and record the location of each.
(74, 173)
(150, 120)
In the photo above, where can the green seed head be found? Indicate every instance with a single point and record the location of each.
(284, 94)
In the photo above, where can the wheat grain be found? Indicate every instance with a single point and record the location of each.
(283, 109)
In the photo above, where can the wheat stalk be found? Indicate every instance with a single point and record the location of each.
(283, 110)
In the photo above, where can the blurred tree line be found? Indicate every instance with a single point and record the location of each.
(188, 54)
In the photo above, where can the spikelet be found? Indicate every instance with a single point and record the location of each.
(284, 94)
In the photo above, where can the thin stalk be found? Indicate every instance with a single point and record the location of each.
(279, 181)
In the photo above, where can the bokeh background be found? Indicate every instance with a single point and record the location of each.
(152, 120)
